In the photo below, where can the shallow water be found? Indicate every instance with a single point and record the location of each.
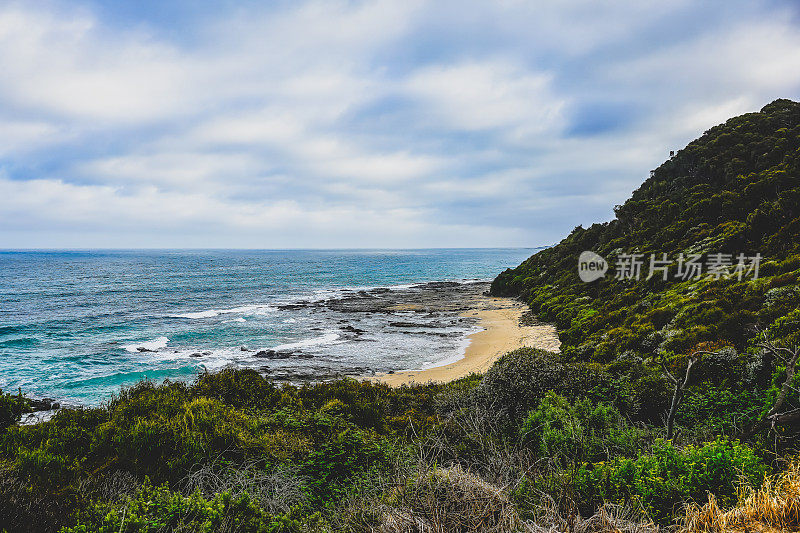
(77, 325)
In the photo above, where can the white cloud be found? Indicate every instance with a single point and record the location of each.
(185, 171)
(75, 209)
(21, 136)
(325, 123)
(64, 64)
(489, 95)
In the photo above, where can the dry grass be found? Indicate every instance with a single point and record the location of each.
(449, 499)
(445, 500)
(773, 507)
(607, 519)
(275, 490)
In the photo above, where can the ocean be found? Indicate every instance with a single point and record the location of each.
(78, 325)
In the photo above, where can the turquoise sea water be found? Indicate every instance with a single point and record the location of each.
(74, 325)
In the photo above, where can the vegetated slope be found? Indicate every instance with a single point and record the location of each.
(734, 190)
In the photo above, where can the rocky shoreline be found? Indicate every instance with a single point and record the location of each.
(424, 310)
(440, 312)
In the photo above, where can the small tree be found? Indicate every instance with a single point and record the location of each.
(679, 388)
(680, 383)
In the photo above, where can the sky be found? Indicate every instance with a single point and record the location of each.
(345, 124)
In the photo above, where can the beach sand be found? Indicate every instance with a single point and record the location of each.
(503, 332)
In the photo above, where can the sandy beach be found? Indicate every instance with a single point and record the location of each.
(502, 333)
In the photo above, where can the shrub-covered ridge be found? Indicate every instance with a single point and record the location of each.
(735, 190)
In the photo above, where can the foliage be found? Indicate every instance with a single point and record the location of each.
(579, 431)
(668, 477)
(518, 381)
(155, 509)
(9, 410)
(773, 506)
(329, 436)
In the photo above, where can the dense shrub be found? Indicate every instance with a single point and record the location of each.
(580, 431)
(156, 509)
(376, 405)
(9, 410)
(713, 410)
(241, 388)
(167, 440)
(347, 455)
(667, 477)
(518, 380)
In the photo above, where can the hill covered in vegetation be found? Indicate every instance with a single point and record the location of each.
(735, 190)
(674, 402)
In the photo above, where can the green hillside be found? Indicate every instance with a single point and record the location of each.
(735, 190)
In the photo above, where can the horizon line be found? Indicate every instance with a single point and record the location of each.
(89, 249)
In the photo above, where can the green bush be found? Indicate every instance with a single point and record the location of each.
(344, 457)
(581, 431)
(157, 509)
(240, 388)
(165, 442)
(518, 380)
(667, 477)
(718, 410)
(9, 410)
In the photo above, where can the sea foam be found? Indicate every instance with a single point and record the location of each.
(153, 345)
(316, 341)
(244, 310)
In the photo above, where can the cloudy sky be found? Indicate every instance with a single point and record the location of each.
(360, 124)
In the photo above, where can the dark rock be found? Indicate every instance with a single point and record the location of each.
(44, 404)
(143, 349)
(352, 329)
(292, 307)
(434, 285)
(196, 354)
(415, 325)
(282, 354)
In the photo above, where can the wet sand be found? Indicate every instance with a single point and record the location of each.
(503, 332)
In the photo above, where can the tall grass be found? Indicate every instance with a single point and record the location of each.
(776, 504)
